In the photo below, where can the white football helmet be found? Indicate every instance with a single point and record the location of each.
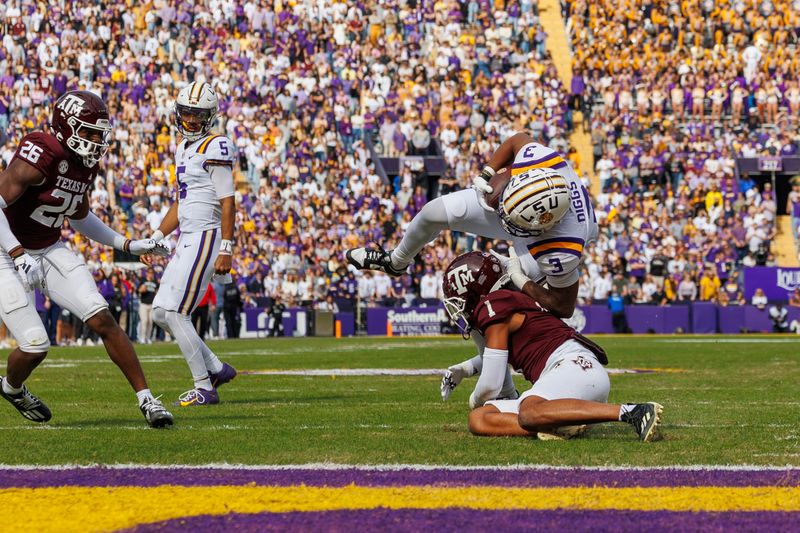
(533, 202)
(195, 110)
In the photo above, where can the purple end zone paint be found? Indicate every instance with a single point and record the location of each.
(460, 520)
(149, 477)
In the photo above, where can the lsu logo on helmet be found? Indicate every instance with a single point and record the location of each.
(533, 202)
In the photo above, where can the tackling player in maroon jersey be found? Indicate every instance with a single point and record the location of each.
(47, 182)
(570, 386)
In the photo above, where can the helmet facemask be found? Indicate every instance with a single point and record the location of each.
(193, 123)
(459, 311)
(88, 141)
(456, 310)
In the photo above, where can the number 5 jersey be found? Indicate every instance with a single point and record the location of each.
(199, 208)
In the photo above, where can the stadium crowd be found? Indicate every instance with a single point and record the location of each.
(306, 87)
(672, 93)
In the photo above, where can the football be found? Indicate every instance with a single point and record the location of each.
(498, 183)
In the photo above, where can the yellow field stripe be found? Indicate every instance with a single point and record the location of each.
(108, 508)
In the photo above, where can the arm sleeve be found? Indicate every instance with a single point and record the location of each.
(93, 228)
(223, 181)
(493, 375)
(7, 239)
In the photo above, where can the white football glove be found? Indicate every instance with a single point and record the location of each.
(513, 267)
(148, 246)
(30, 270)
(453, 376)
(482, 187)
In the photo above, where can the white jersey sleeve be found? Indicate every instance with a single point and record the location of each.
(558, 256)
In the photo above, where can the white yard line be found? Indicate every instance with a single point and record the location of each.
(420, 467)
(396, 372)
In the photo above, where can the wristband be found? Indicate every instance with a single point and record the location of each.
(158, 235)
(126, 246)
(488, 173)
(226, 247)
(519, 279)
(16, 252)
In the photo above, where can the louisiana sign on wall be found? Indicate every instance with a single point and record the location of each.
(777, 282)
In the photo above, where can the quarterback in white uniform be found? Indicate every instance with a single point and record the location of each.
(204, 210)
(544, 210)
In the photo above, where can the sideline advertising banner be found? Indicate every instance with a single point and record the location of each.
(777, 282)
(406, 320)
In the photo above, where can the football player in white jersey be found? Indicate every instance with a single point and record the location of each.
(544, 210)
(204, 210)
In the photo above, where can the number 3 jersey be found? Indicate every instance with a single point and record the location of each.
(36, 217)
(558, 251)
(199, 208)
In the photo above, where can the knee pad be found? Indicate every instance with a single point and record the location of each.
(437, 210)
(34, 340)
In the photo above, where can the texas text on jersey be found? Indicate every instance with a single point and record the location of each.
(37, 216)
(537, 338)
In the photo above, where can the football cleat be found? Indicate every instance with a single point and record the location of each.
(155, 413)
(562, 433)
(224, 376)
(198, 397)
(373, 259)
(27, 404)
(645, 418)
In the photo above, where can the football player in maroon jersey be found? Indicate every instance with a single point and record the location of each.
(47, 182)
(570, 386)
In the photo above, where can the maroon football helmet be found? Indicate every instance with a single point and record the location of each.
(469, 277)
(80, 123)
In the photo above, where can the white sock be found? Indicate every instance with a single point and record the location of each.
(509, 390)
(626, 408)
(8, 389)
(203, 383)
(143, 395)
(213, 364)
(477, 364)
(191, 346)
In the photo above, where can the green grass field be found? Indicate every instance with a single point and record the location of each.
(727, 400)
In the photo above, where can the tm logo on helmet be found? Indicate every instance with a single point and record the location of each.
(71, 105)
(461, 277)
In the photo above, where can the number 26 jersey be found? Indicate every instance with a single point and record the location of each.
(36, 217)
(199, 208)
